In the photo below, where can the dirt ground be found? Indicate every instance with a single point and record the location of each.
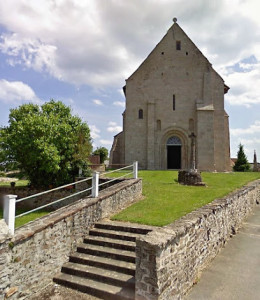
(57, 292)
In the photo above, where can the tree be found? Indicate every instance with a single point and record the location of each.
(48, 142)
(102, 152)
(241, 164)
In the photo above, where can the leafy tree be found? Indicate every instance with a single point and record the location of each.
(102, 152)
(48, 142)
(241, 164)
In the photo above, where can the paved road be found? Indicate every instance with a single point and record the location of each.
(235, 273)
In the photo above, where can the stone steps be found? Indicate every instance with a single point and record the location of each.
(104, 264)
(113, 234)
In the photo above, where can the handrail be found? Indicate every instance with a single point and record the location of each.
(55, 189)
(10, 200)
(54, 202)
(114, 179)
(109, 172)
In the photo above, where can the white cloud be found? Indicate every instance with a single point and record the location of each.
(89, 42)
(30, 52)
(94, 131)
(119, 103)
(244, 85)
(97, 102)
(105, 142)
(113, 127)
(16, 92)
(252, 129)
(249, 137)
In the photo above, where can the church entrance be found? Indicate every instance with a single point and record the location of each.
(174, 153)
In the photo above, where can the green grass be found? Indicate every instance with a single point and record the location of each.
(20, 183)
(25, 219)
(166, 201)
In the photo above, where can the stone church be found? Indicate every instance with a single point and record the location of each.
(173, 96)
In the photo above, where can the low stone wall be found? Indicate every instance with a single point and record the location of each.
(169, 259)
(30, 259)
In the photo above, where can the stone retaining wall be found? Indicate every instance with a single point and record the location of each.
(30, 259)
(169, 259)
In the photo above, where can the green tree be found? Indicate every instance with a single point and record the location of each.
(48, 142)
(102, 152)
(241, 164)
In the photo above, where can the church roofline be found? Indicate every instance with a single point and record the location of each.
(226, 88)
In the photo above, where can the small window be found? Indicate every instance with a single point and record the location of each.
(178, 45)
(140, 114)
(173, 102)
(158, 125)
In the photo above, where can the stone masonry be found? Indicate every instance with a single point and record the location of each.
(34, 255)
(174, 93)
(169, 259)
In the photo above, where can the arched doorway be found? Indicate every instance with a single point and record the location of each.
(174, 152)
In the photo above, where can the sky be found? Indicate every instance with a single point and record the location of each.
(81, 52)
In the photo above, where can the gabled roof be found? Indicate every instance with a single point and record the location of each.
(172, 28)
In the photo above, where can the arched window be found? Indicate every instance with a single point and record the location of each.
(174, 141)
(140, 114)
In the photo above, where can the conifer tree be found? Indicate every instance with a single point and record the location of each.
(242, 164)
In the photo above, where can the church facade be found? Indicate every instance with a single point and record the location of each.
(175, 98)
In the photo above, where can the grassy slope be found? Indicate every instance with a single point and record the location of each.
(165, 200)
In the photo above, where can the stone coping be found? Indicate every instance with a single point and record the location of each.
(26, 231)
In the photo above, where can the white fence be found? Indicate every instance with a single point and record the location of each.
(10, 200)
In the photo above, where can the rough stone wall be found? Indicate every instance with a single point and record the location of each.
(30, 259)
(169, 259)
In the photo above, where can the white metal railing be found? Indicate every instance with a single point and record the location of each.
(10, 200)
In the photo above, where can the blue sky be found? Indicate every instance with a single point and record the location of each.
(81, 52)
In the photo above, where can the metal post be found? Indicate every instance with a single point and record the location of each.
(95, 182)
(9, 211)
(135, 169)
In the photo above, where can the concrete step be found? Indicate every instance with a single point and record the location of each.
(108, 242)
(125, 227)
(113, 234)
(107, 252)
(95, 288)
(99, 274)
(103, 262)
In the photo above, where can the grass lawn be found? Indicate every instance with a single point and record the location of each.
(25, 219)
(166, 200)
(22, 183)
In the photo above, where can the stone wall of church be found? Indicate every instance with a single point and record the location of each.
(169, 259)
(186, 77)
(178, 92)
